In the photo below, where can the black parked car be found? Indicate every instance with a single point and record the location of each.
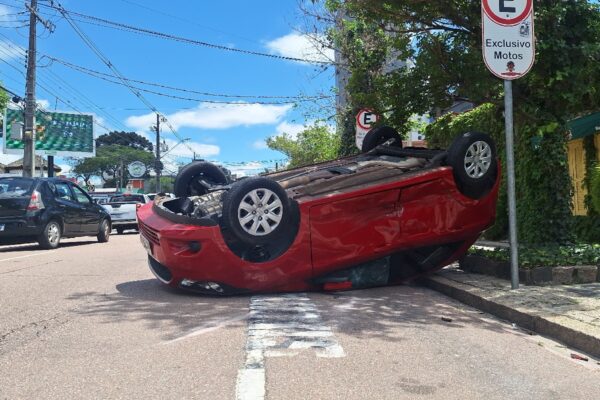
(48, 209)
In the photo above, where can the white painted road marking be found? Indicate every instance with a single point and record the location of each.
(281, 326)
(208, 327)
(28, 255)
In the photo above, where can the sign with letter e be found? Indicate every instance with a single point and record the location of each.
(364, 121)
(508, 37)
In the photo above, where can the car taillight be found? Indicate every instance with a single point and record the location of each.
(35, 203)
(138, 205)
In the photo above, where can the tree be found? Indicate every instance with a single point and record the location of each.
(166, 184)
(129, 139)
(110, 159)
(315, 144)
(3, 102)
(442, 42)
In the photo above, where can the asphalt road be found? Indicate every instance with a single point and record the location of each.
(89, 321)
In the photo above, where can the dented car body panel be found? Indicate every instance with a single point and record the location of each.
(379, 209)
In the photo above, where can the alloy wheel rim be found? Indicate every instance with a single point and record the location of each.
(53, 233)
(478, 159)
(106, 229)
(260, 212)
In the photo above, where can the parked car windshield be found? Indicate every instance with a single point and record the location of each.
(15, 187)
(127, 198)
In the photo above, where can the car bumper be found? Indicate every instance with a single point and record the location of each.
(122, 222)
(197, 257)
(18, 227)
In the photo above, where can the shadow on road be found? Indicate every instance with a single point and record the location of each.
(160, 307)
(370, 313)
(378, 312)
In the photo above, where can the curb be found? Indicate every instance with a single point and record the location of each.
(573, 338)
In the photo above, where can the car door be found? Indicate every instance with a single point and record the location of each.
(90, 217)
(70, 210)
(353, 229)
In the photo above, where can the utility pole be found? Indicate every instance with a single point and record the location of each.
(29, 131)
(30, 106)
(157, 164)
(121, 176)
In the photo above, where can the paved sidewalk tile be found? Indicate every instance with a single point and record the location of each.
(568, 313)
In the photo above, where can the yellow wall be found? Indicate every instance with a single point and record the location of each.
(576, 155)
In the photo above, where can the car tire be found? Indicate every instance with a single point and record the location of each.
(380, 135)
(249, 219)
(187, 180)
(120, 230)
(104, 231)
(472, 157)
(50, 237)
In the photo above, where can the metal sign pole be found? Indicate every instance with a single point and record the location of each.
(510, 172)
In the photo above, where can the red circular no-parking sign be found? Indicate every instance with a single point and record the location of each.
(507, 12)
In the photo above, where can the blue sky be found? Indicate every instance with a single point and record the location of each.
(220, 132)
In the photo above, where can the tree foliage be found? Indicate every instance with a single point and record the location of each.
(109, 159)
(441, 41)
(3, 102)
(315, 144)
(595, 189)
(167, 184)
(129, 139)
(3, 99)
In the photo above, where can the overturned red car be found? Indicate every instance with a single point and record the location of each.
(385, 216)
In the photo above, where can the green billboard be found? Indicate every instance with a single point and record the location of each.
(57, 134)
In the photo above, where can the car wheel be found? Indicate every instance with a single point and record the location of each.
(380, 135)
(256, 211)
(104, 231)
(193, 178)
(472, 157)
(50, 237)
(120, 230)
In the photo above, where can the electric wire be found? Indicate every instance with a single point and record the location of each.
(76, 94)
(208, 94)
(55, 5)
(113, 68)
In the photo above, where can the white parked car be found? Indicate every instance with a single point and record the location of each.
(122, 209)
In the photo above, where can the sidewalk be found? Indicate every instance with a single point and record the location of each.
(570, 314)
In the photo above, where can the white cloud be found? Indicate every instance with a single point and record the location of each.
(290, 129)
(188, 149)
(8, 158)
(43, 103)
(260, 145)
(284, 128)
(302, 46)
(207, 116)
(65, 169)
(184, 150)
(247, 169)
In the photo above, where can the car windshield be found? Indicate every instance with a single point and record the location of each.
(15, 187)
(127, 198)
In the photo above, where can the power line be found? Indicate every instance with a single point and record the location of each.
(163, 13)
(180, 39)
(173, 96)
(208, 94)
(67, 102)
(111, 66)
(9, 91)
(74, 92)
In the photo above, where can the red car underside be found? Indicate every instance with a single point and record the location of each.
(337, 230)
